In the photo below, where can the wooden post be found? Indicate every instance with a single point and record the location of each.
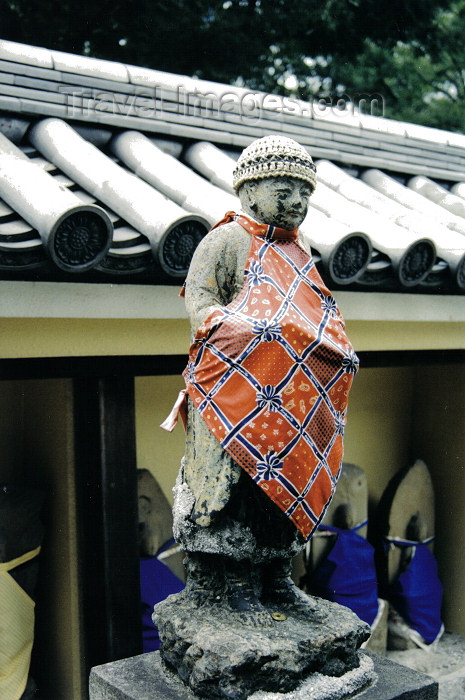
(106, 474)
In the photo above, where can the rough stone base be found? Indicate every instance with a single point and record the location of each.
(220, 654)
(143, 677)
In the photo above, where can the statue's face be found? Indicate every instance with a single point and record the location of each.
(279, 201)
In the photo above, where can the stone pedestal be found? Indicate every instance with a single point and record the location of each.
(144, 677)
(225, 654)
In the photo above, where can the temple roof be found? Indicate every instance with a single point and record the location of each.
(111, 172)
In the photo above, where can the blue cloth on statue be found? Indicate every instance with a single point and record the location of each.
(417, 593)
(157, 582)
(347, 574)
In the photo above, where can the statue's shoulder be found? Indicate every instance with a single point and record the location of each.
(224, 237)
(229, 230)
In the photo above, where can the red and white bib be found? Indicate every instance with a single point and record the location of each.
(270, 374)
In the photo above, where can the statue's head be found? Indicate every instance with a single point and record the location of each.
(274, 178)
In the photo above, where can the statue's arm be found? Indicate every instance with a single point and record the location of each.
(216, 272)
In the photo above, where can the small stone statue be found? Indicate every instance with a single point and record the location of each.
(267, 383)
(408, 572)
(161, 571)
(340, 561)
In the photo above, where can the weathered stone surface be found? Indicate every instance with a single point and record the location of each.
(219, 655)
(319, 687)
(408, 497)
(348, 508)
(405, 513)
(143, 677)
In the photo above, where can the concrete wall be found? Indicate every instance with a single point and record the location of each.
(438, 437)
(158, 450)
(377, 435)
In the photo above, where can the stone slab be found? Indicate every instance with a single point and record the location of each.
(144, 678)
(445, 662)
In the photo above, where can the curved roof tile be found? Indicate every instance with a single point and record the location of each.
(148, 148)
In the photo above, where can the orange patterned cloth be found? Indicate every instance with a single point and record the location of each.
(270, 374)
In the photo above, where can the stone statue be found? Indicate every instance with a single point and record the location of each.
(267, 383)
(340, 561)
(161, 571)
(156, 523)
(407, 569)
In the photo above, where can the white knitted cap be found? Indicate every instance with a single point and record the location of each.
(274, 156)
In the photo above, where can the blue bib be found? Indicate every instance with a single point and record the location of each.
(157, 582)
(347, 574)
(417, 593)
